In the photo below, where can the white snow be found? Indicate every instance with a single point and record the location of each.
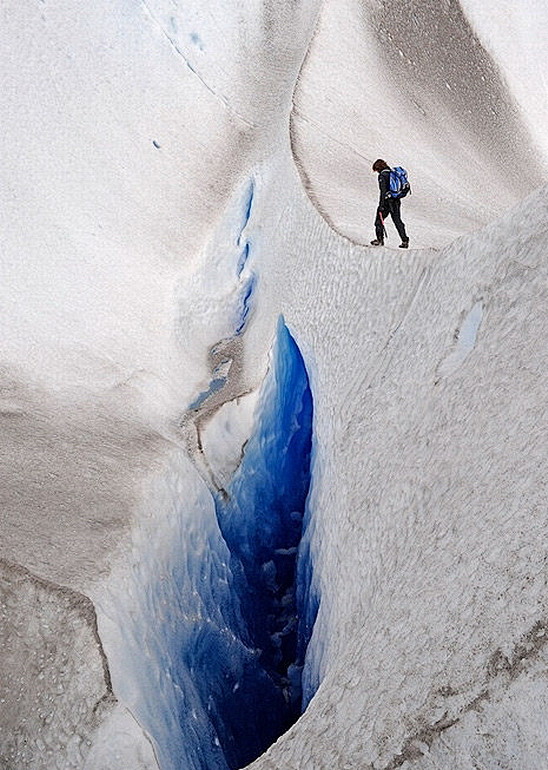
(133, 133)
(514, 34)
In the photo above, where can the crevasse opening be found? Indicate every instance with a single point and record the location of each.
(261, 516)
(214, 624)
(252, 691)
(217, 648)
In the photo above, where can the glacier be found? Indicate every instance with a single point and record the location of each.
(175, 179)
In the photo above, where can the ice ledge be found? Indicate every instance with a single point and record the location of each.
(51, 703)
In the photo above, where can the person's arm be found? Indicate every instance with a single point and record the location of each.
(384, 186)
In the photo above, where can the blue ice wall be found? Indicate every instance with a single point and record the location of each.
(220, 638)
(261, 518)
(308, 603)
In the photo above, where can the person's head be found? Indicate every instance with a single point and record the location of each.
(379, 165)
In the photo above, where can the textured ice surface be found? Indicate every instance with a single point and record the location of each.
(130, 226)
(50, 704)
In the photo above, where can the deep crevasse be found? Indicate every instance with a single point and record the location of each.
(261, 518)
(214, 652)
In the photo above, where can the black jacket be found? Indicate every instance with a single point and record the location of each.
(384, 186)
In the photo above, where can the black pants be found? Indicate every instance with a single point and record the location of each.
(391, 206)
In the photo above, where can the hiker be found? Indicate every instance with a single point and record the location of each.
(389, 203)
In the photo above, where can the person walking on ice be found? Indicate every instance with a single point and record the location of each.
(393, 186)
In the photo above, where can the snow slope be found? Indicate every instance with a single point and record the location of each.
(175, 178)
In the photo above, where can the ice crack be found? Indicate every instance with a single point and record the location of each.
(223, 99)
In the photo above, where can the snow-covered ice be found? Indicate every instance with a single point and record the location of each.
(175, 178)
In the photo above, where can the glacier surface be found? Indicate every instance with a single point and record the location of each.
(175, 178)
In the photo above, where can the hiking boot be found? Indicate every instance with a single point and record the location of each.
(377, 242)
(404, 244)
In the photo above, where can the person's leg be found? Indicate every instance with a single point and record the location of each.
(395, 208)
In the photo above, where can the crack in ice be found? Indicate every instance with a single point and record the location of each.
(223, 99)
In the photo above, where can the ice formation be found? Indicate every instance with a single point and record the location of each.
(175, 178)
(210, 617)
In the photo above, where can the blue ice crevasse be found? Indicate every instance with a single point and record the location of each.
(228, 633)
(261, 516)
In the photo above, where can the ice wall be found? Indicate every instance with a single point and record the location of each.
(209, 612)
(429, 539)
(514, 39)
